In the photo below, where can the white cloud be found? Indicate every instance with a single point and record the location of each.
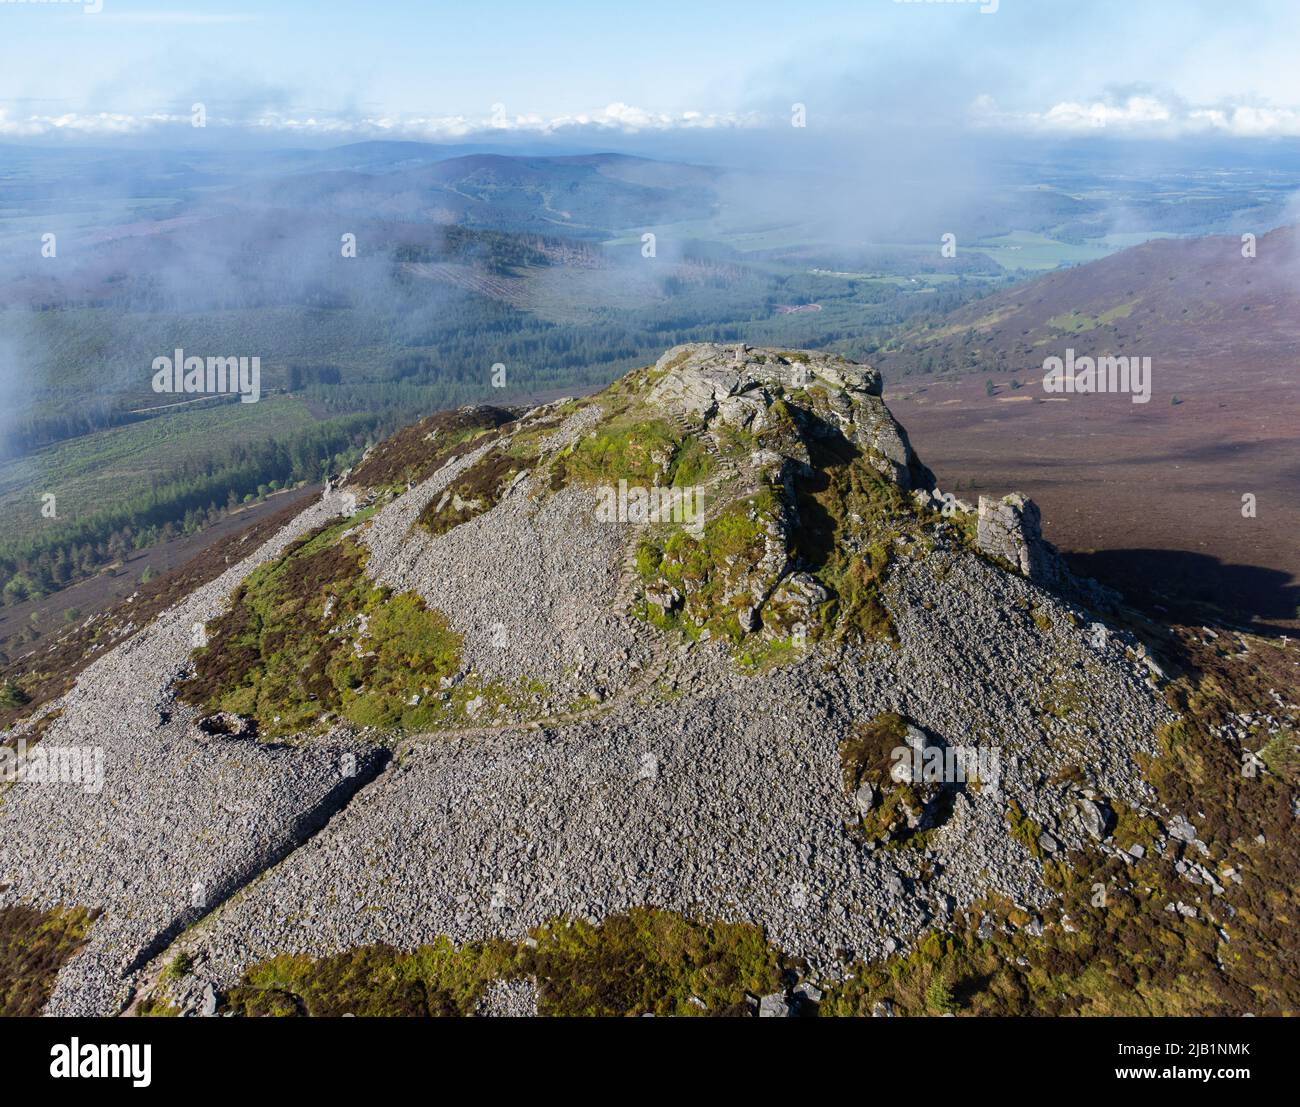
(1142, 114)
(619, 117)
(93, 123)
(613, 117)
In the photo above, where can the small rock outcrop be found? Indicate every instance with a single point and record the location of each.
(1011, 530)
(739, 386)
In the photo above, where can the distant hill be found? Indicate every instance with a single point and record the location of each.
(590, 194)
(1198, 299)
(1147, 496)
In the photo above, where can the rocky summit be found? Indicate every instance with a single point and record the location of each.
(712, 642)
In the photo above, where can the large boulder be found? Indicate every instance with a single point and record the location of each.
(1011, 530)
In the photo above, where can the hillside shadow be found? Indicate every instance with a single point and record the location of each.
(817, 535)
(1194, 587)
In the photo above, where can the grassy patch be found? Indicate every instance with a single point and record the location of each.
(640, 451)
(650, 960)
(309, 636)
(1281, 755)
(758, 655)
(691, 464)
(156, 1009)
(1078, 322)
(437, 979)
(11, 695)
(1024, 830)
(900, 814)
(416, 452)
(711, 574)
(178, 968)
(477, 490)
(34, 946)
(850, 516)
(645, 960)
(858, 611)
(866, 755)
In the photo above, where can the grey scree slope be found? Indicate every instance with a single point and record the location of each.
(693, 787)
(183, 818)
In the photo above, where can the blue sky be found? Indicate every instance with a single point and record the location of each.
(336, 71)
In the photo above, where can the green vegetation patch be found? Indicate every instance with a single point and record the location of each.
(781, 430)
(1124, 954)
(1078, 322)
(1133, 829)
(34, 946)
(705, 583)
(12, 695)
(310, 636)
(178, 968)
(1281, 755)
(859, 611)
(477, 490)
(644, 452)
(378, 980)
(866, 755)
(891, 812)
(156, 1009)
(644, 961)
(1024, 830)
(650, 960)
(850, 516)
(416, 452)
